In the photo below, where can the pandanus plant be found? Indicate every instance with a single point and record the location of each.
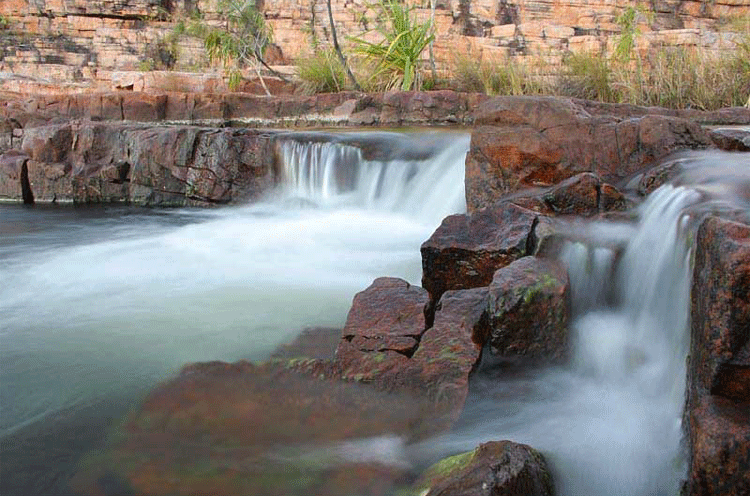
(239, 42)
(397, 55)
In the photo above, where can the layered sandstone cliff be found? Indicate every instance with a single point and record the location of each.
(91, 42)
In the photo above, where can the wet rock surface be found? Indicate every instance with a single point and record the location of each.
(732, 140)
(466, 250)
(529, 309)
(94, 162)
(583, 195)
(718, 404)
(243, 429)
(494, 468)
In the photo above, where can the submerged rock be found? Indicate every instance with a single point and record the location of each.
(718, 405)
(529, 310)
(497, 468)
(240, 429)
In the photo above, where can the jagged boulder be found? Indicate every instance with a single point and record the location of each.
(718, 405)
(540, 141)
(529, 310)
(382, 331)
(385, 344)
(466, 250)
(496, 468)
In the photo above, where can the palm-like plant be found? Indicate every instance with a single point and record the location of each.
(240, 42)
(397, 55)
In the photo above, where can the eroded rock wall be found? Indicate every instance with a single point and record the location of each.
(92, 42)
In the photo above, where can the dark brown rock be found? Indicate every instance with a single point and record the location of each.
(529, 308)
(541, 141)
(383, 329)
(731, 140)
(466, 250)
(181, 165)
(718, 405)
(497, 468)
(583, 194)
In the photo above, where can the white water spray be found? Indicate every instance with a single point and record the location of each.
(611, 422)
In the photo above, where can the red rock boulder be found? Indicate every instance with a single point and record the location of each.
(466, 250)
(383, 329)
(540, 141)
(529, 310)
(385, 344)
(718, 404)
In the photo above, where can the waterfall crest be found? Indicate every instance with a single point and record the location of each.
(424, 181)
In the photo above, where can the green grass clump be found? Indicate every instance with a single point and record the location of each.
(321, 73)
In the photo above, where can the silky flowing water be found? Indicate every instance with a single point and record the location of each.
(100, 304)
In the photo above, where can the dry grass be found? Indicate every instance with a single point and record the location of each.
(673, 77)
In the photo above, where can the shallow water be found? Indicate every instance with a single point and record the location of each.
(100, 304)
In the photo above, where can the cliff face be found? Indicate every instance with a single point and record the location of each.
(92, 41)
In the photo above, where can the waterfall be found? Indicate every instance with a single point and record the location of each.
(610, 423)
(426, 184)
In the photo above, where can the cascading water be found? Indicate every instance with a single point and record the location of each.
(99, 304)
(611, 422)
(422, 185)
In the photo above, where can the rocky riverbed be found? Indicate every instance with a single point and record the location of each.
(498, 291)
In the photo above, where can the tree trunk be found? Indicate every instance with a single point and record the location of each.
(338, 49)
(432, 42)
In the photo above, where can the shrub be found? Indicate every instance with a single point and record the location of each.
(396, 58)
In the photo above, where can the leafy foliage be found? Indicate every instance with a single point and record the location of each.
(240, 42)
(396, 57)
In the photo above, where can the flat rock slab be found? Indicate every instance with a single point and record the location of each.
(497, 468)
(529, 310)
